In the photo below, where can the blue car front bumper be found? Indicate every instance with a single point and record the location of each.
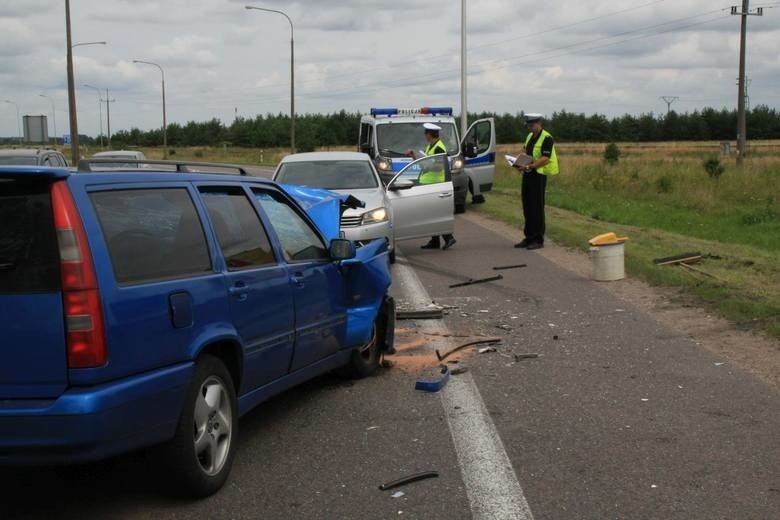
(91, 423)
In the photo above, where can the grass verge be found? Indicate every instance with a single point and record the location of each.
(738, 281)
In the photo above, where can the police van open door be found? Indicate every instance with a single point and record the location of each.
(421, 197)
(479, 153)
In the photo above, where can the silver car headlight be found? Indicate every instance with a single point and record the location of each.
(374, 216)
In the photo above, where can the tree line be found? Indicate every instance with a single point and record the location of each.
(341, 129)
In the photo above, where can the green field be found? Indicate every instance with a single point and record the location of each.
(661, 197)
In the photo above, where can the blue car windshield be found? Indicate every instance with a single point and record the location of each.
(331, 175)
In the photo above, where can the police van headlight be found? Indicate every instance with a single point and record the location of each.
(374, 216)
(384, 164)
(457, 163)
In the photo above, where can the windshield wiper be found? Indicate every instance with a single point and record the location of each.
(385, 151)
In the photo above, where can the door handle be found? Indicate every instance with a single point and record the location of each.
(445, 195)
(239, 290)
(297, 279)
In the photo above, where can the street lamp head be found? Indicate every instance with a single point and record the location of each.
(87, 43)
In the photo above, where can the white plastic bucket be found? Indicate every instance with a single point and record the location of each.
(608, 262)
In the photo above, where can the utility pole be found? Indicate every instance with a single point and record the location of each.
(741, 120)
(74, 127)
(669, 100)
(464, 124)
(108, 118)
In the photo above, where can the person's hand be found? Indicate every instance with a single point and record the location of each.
(410, 153)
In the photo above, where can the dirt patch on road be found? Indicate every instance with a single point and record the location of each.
(414, 352)
(756, 353)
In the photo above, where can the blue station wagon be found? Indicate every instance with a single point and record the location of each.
(144, 307)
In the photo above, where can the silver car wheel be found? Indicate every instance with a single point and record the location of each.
(212, 425)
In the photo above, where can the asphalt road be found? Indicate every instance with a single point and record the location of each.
(618, 417)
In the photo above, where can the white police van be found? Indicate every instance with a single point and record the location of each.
(387, 133)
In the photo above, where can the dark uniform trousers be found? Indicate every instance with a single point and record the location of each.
(532, 194)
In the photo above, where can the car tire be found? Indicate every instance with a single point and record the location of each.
(197, 461)
(365, 360)
(392, 256)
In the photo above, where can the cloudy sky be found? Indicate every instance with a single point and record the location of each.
(221, 60)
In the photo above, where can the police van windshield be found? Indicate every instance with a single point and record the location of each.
(394, 139)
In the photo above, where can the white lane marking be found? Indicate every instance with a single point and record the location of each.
(491, 484)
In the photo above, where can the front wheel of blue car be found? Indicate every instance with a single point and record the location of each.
(364, 360)
(199, 457)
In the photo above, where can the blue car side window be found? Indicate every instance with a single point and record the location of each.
(240, 233)
(299, 241)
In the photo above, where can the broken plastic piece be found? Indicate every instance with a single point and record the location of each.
(459, 370)
(485, 350)
(408, 480)
(436, 385)
(427, 314)
(472, 281)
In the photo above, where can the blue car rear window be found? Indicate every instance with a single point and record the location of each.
(152, 234)
(29, 255)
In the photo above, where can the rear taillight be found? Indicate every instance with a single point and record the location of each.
(81, 298)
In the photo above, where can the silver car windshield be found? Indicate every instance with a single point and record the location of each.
(331, 175)
(394, 139)
(18, 160)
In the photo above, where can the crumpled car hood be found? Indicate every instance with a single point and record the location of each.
(367, 275)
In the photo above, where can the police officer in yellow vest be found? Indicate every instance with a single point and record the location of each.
(540, 147)
(435, 145)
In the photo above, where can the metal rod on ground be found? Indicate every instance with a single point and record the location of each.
(488, 341)
(478, 280)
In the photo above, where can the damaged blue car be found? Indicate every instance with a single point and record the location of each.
(154, 308)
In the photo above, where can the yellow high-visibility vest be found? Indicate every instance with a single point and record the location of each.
(551, 168)
(435, 176)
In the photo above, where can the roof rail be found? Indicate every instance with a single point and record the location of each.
(115, 164)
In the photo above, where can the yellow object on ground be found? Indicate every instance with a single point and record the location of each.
(606, 239)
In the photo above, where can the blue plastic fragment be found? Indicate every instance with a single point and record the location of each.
(434, 386)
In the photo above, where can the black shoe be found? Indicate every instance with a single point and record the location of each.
(534, 245)
(449, 243)
(522, 244)
(430, 245)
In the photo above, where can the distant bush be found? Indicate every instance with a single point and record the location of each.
(198, 153)
(713, 168)
(611, 153)
(172, 151)
(664, 184)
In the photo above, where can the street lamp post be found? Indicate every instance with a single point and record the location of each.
(53, 116)
(18, 125)
(292, 73)
(100, 112)
(74, 126)
(165, 123)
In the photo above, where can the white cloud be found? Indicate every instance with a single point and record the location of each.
(595, 56)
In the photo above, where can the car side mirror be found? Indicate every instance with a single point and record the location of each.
(342, 249)
(470, 150)
(401, 184)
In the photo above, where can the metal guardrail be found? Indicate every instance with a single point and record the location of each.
(125, 165)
